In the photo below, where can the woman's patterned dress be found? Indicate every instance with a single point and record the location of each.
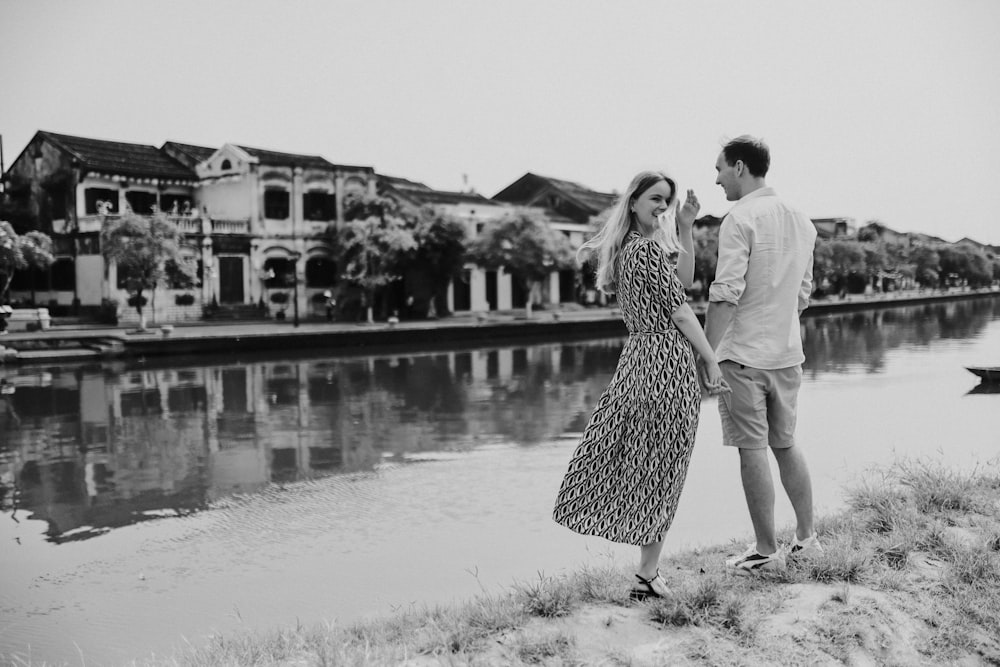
(626, 475)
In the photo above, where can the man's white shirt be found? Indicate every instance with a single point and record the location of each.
(765, 270)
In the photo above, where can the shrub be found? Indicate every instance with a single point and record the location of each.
(185, 299)
(279, 298)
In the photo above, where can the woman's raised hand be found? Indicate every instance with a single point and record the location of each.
(689, 211)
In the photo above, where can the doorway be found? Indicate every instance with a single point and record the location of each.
(231, 280)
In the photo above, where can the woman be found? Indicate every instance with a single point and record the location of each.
(626, 475)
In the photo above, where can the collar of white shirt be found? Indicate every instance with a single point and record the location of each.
(759, 192)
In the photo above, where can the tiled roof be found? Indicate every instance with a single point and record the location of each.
(425, 195)
(189, 154)
(403, 184)
(278, 159)
(445, 197)
(525, 190)
(596, 201)
(116, 157)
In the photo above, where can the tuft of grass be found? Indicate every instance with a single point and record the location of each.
(548, 597)
(554, 645)
(939, 489)
(882, 504)
(709, 602)
(844, 559)
(895, 556)
(600, 584)
(975, 566)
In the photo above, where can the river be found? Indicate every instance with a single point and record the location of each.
(149, 506)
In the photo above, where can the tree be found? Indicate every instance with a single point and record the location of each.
(19, 252)
(142, 246)
(876, 259)
(926, 264)
(525, 247)
(441, 242)
(371, 245)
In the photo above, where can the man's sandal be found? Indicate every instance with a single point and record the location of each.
(654, 587)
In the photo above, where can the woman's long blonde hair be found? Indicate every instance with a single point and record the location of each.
(608, 242)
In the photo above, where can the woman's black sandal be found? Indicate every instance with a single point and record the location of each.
(647, 591)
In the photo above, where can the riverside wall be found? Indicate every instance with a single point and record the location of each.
(68, 344)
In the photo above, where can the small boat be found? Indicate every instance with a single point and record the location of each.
(987, 373)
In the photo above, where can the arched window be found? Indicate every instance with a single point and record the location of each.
(279, 272)
(226, 164)
(321, 272)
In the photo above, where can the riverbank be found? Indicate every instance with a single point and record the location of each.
(910, 576)
(93, 343)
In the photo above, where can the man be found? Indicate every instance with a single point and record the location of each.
(762, 285)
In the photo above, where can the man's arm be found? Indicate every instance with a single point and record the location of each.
(730, 280)
(717, 319)
(807, 285)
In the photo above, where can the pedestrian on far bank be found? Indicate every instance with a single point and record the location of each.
(625, 477)
(331, 305)
(762, 284)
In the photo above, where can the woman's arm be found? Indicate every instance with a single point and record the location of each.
(685, 234)
(687, 323)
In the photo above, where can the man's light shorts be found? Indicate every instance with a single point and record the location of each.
(760, 410)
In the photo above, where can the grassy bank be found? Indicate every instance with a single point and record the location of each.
(911, 576)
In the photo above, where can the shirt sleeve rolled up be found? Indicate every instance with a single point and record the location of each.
(731, 271)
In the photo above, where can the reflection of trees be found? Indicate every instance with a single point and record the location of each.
(841, 342)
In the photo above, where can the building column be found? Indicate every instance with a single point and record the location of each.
(554, 288)
(207, 271)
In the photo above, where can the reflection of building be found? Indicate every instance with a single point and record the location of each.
(89, 451)
(254, 220)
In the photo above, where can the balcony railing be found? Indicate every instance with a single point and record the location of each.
(186, 224)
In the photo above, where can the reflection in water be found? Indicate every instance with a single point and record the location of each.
(88, 450)
(842, 342)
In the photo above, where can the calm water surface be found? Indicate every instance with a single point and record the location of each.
(148, 506)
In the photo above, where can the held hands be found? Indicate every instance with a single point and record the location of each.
(711, 379)
(689, 211)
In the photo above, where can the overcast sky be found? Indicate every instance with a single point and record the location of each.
(874, 109)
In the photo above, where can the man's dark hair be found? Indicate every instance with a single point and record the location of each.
(753, 151)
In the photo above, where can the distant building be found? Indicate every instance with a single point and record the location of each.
(67, 183)
(252, 218)
(569, 208)
(566, 200)
(834, 228)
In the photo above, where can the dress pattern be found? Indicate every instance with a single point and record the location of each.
(625, 477)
